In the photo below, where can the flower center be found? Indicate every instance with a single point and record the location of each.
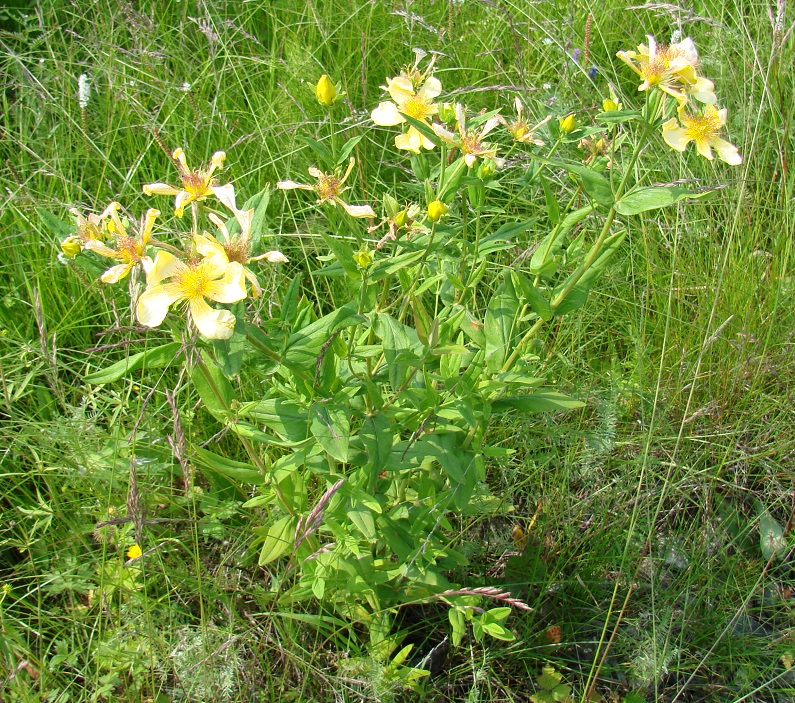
(195, 282)
(196, 182)
(237, 250)
(127, 249)
(470, 145)
(417, 108)
(328, 187)
(701, 128)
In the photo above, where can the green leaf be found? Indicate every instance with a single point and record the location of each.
(401, 345)
(320, 149)
(771, 536)
(258, 203)
(347, 148)
(617, 116)
(376, 434)
(362, 518)
(278, 540)
(236, 470)
(386, 267)
(539, 402)
(343, 254)
(458, 623)
(452, 178)
(59, 228)
(593, 184)
(643, 199)
(553, 210)
(423, 128)
(289, 307)
(499, 324)
(155, 358)
(331, 427)
(213, 387)
(534, 297)
(577, 296)
(305, 345)
(287, 419)
(498, 631)
(229, 353)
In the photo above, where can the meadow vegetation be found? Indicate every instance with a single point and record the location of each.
(167, 533)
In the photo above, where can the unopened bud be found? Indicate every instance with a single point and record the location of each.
(70, 247)
(610, 105)
(566, 124)
(436, 210)
(402, 218)
(325, 91)
(363, 258)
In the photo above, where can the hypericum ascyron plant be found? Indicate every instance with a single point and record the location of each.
(365, 436)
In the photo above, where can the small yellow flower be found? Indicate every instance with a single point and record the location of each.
(196, 185)
(329, 188)
(671, 68)
(128, 250)
(520, 130)
(134, 552)
(95, 228)
(436, 210)
(325, 91)
(610, 105)
(566, 124)
(703, 130)
(470, 142)
(213, 277)
(238, 247)
(413, 95)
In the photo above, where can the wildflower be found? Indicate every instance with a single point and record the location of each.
(83, 91)
(436, 210)
(196, 185)
(703, 130)
(238, 247)
(325, 91)
(413, 94)
(611, 105)
(212, 277)
(470, 142)
(328, 189)
(95, 228)
(128, 250)
(520, 130)
(363, 258)
(566, 124)
(134, 552)
(671, 68)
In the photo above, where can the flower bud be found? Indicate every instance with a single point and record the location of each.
(447, 113)
(486, 170)
(610, 105)
(326, 91)
(566, 124)
(70, 247)
(363, 258)
(436, 210)
(402, 218)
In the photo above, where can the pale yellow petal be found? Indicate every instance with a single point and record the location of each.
(165, 265)
(149, 223)
(387, 115)
(213, 324)
(674, 135)
(400, 90)
(226, 194)
(207, 246)
(703, 90)
(727, 152)
(230, 288)
(704, 147)
(358, 211)
(431, 89)
(256, 288)
(183, 198)
(153, 304)
(410, 141)
(100, 248)
(115, 273)
(160, 189)
(292, 185)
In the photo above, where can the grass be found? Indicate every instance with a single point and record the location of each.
(642, 512)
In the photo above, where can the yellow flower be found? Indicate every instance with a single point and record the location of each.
(325, 91)
(328, 190)
(196, 185)
(95, 228)
(610, 105)
(470, 142)
(128, 250)
(671, 68)
(238, 247)
(520, 130)
(566, 123)
(213, 277)
(412, 99)
(436, 210)
(703, 130)
(134, 552)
